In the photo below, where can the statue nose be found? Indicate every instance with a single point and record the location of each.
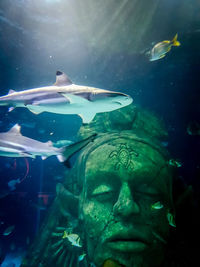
(125, 205)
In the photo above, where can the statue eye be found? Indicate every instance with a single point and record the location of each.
(148, 190)
(102, 191)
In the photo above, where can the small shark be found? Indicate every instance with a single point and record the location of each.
(64, 97)
(14, 144)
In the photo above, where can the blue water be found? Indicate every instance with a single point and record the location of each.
(101, 44)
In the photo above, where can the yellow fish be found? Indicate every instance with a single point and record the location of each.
(65, 234)
(160, 49)
(74, 239)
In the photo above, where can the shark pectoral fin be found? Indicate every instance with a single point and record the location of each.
(36, 112)
(49, 143)
(61, 158)
(87, 117)
(74, 99)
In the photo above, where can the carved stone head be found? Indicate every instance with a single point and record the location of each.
(125, 201)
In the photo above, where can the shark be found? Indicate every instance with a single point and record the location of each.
(14, 144)
(65, 97)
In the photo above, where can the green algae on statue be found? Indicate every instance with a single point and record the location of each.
(117, 199)
(116, 203)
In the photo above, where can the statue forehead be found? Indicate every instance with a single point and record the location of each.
(126, 158)
(128, 154)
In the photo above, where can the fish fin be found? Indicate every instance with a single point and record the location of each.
(44, 157)
(15, 129)
(175, 42)
(166, 42)
(61, 158)
(169, 48)
(87, 117)
(11, 91)
(11, 109)
(65, 235)
(34, 111)
(75, 99)
(49, 143)
(70, 150)
(62, 79)
(162, 56)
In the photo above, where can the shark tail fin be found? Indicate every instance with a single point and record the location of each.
(68, 151)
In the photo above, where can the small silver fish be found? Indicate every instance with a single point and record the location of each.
(81, 257)
(157, 205)
(12, 184)
(8, 230)
(175, 163)
(171, 220)
(193, 128)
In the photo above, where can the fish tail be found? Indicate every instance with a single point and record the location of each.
(175, 42)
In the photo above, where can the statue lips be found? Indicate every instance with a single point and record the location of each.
(128, 242)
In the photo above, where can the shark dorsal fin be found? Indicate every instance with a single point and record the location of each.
(11, 91)
(15, 129)
(62, 79)
(49, 143)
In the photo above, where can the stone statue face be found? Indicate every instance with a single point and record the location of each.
(125, 204)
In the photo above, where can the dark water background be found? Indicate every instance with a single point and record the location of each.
(101, 44)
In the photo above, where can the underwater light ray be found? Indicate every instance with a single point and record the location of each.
(112, 20)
